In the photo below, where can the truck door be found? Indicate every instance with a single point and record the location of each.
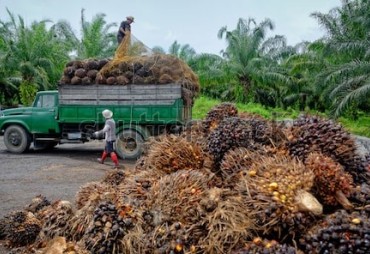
(44, 114)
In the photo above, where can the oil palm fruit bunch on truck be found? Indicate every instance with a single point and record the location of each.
(148, 95)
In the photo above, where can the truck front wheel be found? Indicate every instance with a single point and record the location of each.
(17, 139)
(129, 144)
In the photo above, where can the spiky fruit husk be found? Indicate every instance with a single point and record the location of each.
(216, 114)
(339, 232)
(55, 220)
(137, 185)
(37, 203)
(228, 226)
(114, 177)
(170, 153)
(92, 197)
(259, 245)
(175, 197)
(314, 134)
(266, 132)
(23, 229)
(194, 132)
(230, 133)
(275, 188)
(91, 188)
(236, 163)
(167, 238)
(331, 181)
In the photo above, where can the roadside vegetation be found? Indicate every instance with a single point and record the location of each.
(261, 74)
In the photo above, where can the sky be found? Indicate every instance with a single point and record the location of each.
(193, 22)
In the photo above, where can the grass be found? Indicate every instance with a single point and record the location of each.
(359, 127)
(203, 104)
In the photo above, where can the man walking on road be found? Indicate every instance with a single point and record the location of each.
(110, 137)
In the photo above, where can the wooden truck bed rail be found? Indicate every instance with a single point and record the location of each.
(119, 95)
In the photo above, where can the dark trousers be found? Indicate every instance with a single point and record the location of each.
(119, 39)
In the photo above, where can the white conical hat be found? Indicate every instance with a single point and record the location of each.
(107, 113)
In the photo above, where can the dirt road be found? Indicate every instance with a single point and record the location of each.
(57, 174)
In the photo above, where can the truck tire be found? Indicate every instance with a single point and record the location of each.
(129, 144)
(17, 139)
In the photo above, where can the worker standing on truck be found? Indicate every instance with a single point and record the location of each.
(124, 27)
(110, 137)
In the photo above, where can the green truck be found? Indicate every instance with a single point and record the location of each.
(72, 114)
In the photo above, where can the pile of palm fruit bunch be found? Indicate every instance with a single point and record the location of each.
(231, 183)
(153, 69)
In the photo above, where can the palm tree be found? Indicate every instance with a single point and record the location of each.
(250, 57)
(96, 41)
(184, 52)
(348, 49)
(304, 67)
(33, 54)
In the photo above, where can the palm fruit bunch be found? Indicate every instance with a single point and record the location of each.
(230, 133)
(265, 132)
(114, 177)
(106, 230)
(175, 197)
(55, 219)
(170, 153)
(236, 163)
(277, 189)
(360, 197)
(82, 72)
(37, 203)
(92, 195)
(167, 238)
(259, 245)
(21, 229)
(332, 185)
(134, 191)
(315, 134)
(216, 114)
(85, 193)
(194, 133)
(339, 232)
(366, 162)
(227, 223)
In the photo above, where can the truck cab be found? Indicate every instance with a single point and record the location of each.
(38, 123)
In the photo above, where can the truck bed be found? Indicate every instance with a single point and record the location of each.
(144, 104)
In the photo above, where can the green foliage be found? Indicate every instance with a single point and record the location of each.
(27, 93)
(96, 41)
(347, 78)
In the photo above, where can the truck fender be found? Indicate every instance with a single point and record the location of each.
(142, 130)
(15, 122)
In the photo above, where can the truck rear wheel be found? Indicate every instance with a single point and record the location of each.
(129, 144)
(17, 139)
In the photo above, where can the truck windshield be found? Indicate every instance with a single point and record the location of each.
(46, 101)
